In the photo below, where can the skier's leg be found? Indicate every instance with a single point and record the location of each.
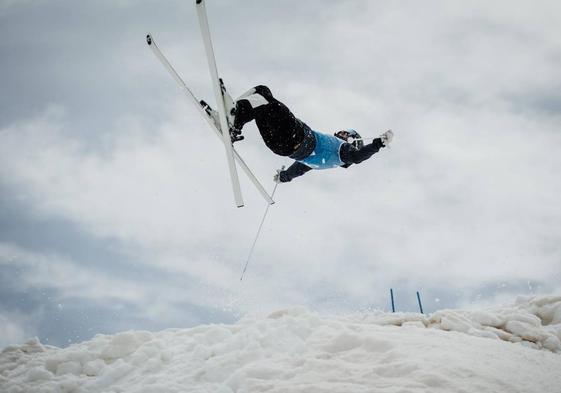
(264, 91)
(279, 128)
(352, 155)
(248, 102)
(261, 89)
(271, 115)
(281, 131)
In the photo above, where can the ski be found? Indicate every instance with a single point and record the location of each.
(204, 110)
(220, 101)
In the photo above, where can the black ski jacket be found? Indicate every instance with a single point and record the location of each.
(348, 153)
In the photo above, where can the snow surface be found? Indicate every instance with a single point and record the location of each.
(508, 349)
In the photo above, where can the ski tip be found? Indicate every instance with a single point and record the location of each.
(240, 206)
(148, 39)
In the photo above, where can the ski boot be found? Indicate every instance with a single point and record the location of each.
(235, 134)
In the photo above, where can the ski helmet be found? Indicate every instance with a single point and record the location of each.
(350, 136)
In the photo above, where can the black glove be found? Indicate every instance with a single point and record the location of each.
(281, 176)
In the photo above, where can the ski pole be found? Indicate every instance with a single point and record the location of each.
(259, 231)
(420, 304)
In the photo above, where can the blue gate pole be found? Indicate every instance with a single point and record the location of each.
(420, 304)
(393, 304)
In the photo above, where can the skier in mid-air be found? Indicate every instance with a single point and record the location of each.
(288, 136)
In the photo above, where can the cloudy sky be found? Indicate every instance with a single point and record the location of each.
(115, 205)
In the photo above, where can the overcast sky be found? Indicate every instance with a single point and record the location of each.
(116, 210)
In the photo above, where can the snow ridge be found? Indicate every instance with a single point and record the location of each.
(510, 349)
(533, 322)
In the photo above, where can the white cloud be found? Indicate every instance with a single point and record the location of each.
(50, 271)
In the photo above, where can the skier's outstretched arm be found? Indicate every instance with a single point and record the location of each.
(295, 170)
(352, 155)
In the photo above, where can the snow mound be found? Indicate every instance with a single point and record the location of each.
(533, 322)
(498, 350)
